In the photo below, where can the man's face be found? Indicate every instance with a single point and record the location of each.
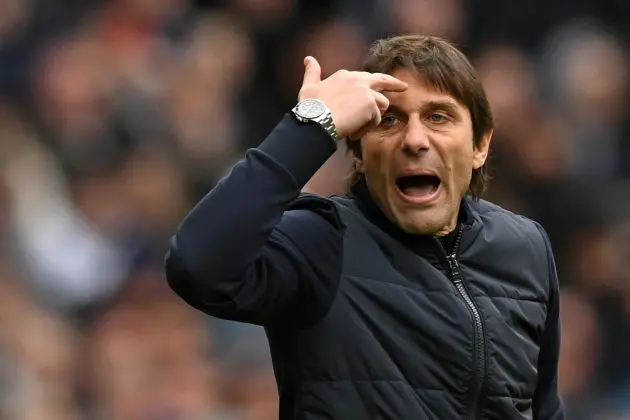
(418, 163)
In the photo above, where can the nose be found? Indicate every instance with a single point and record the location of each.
(416, 139)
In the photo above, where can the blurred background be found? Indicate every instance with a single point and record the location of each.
(116, 116)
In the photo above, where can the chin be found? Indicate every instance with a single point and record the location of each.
(419, 227)
(423, 222)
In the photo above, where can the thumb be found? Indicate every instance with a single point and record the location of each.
(312, 71)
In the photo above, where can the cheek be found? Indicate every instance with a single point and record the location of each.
(465, 170)
(461, 160)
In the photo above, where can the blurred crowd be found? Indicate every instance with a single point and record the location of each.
(116, 116)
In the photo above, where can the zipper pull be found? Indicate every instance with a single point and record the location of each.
(452, 263)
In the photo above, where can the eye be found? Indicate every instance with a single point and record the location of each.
(437, 118)
(389, 121)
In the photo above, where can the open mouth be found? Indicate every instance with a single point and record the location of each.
(418, 186)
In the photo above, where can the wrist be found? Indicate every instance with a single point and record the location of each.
(315, 111)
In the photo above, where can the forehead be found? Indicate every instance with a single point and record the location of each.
(420, 92)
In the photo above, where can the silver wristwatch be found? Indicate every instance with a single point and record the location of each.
(316, 111)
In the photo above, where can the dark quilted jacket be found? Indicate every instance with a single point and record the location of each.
(364, 321)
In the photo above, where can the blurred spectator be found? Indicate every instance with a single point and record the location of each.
(147, 356)
(578, 357)
(443, 18)
(587, 74)
(202, 100)
(248, 378)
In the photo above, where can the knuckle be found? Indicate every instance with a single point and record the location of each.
(355, 78)
(362, 76)
(364, 84)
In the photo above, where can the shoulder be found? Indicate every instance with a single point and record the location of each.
(310, 217)
(512, 232)
(517, 238)
(515, 246)
(494, 216)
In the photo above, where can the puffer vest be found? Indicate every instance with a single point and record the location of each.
(417, 331)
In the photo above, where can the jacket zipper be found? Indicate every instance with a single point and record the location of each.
(479, 356)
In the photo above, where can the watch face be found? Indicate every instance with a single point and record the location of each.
(311, 108)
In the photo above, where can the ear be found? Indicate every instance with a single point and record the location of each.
(480, 150)
(358, 164)
(354, 148)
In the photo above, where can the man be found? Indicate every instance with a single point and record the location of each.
(408, 299)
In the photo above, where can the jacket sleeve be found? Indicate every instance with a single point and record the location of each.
(240, 254)
(547, 404)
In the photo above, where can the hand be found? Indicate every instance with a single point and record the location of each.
(355, 99)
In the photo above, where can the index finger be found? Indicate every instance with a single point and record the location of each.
(385, 82)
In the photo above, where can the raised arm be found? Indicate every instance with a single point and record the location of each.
(238, 255)
(241, 253)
